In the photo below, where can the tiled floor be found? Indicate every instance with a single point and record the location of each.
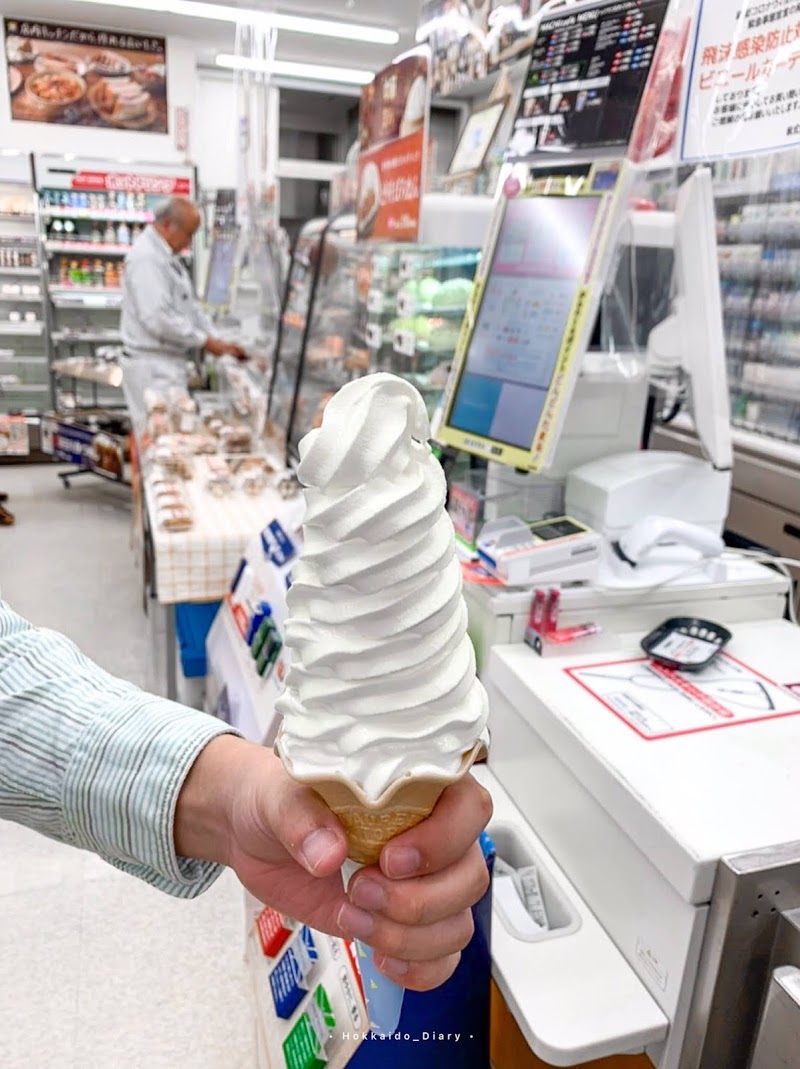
(97, 970)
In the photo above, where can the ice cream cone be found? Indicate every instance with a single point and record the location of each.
(371, 824)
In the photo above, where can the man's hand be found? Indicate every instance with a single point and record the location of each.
(218, 347)
(239, 807)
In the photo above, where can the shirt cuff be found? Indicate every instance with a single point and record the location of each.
(122, 784)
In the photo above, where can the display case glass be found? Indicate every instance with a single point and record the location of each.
(320, 267)
(758, 214)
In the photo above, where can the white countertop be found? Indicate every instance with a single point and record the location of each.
(691, 797)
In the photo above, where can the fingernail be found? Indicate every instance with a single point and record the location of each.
(402, 861)
(392, 965)
(317, 847)
(368, 894)
(355, 922)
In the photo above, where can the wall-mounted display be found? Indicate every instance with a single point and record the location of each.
(474, 38)
(76, 76)
(476, 138)
(587, 74)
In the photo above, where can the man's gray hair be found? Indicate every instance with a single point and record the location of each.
(171, 211)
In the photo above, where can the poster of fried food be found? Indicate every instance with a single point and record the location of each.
(76, 76)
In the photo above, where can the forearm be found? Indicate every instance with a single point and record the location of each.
(93, 761)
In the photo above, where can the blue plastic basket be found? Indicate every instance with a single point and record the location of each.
(192, 623)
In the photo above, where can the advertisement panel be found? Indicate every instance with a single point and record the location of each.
(744, 82)
(78, 444)
(78, 76)
(393, 131)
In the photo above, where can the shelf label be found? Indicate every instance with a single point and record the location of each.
(375, 302)
(408, 265)
(374, 336)
(406, 304)
(405, 342)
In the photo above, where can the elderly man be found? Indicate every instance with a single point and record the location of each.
(162, 321)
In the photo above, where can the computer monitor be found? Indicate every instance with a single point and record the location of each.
(525, 336)
(587, 74)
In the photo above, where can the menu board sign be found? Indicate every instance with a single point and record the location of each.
(75, 76)
(588, 72)
(393, 131)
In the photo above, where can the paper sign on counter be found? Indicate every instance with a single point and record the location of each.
(659, 703)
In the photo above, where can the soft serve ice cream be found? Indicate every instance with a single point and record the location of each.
(382, 678)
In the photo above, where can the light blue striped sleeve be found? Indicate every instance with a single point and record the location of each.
(93, 761)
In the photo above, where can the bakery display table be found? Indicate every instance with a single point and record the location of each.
(199, 564)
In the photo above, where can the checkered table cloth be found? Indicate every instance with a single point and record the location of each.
(200, 564)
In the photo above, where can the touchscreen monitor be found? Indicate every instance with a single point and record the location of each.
(537, 268)
(586, 77)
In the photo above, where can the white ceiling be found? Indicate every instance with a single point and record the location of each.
(212, 37)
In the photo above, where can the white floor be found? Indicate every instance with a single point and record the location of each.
(97, 970)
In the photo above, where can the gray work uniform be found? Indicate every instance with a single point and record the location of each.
(162, 324)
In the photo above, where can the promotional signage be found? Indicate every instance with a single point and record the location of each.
(78, 444)
(76, 76)
(14, 437)
(393, 132)
(472, 39)
(152, 184)
(744, 81)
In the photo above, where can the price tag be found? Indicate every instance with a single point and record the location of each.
(408, 265)
(405, 342)
(406, 305)
(375, 301)
(374, 336)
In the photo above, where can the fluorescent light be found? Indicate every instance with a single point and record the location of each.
(346, 31)
(314, 71)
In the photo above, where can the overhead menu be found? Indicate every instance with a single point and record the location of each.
(586, 78)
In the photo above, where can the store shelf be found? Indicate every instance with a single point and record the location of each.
(97, 297)
(20, 298)
(86, 371)
(32, 360)
(62, 336)
(91, 247)
(14, 217)
(99, 214)
(27, 272)
(23, 387)
(32, 329)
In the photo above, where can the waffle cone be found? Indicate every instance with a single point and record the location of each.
(371, 824)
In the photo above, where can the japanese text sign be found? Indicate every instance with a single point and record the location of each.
(744, 85)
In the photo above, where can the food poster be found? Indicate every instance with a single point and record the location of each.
(75, 76)
(393, 127)
(470, 39)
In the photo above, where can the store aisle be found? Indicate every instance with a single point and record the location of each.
(100, 971)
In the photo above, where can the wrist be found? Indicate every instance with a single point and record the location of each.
(206, 803)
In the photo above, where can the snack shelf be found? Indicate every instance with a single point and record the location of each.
(32, 329)
(97, 214)
(61, 336)
(103, 374)
(87, 246)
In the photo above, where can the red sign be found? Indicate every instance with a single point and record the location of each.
(158, 185)
(393, 121)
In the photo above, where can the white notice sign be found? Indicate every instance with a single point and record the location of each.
(659, 703)
(744, 79)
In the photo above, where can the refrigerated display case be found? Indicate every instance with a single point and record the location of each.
(91, 212)
(321, 265)
(24, 373)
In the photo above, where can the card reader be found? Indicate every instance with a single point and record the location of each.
(560, 550)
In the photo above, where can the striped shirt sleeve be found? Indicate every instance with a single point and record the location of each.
(93, 761)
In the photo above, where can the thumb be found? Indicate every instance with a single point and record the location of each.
(308, 830)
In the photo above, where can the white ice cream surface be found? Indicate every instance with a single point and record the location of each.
(382, 676)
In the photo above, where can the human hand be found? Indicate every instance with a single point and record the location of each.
(218, 347)
(238, 806)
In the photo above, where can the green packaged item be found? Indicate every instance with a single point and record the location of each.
(266, 628)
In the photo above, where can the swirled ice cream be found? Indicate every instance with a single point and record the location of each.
(382, 677)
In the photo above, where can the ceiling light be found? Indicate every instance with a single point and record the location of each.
(313, 71)
(348, 31)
